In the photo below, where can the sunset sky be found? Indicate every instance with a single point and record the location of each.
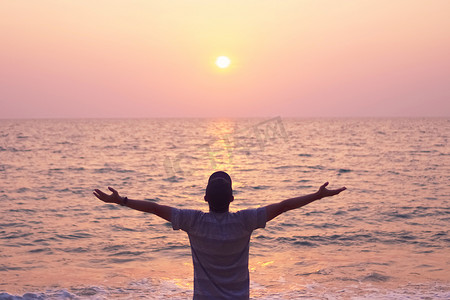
(141, 58)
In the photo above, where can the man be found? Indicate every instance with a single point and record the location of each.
(219, 239)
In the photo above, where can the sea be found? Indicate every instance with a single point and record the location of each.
(385, 237)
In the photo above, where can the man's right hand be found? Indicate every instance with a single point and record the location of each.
(273, 210)
(324, 192)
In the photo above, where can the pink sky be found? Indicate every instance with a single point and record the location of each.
(141, 58)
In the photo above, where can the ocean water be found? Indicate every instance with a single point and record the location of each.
(386, 237)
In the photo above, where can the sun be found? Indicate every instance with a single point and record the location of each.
(223, 62)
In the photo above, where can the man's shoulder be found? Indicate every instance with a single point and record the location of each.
(250, 211)
(253, 217)
(185, 218)
(187, 211)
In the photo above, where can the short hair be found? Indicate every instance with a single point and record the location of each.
(220, 174)
(219, 191)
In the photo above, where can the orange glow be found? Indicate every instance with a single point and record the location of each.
(153, 58)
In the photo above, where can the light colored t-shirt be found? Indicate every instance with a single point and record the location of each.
(220, 248)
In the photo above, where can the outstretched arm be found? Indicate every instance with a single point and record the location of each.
(162, 211)
(274, 210)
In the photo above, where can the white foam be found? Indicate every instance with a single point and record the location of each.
(169, 289)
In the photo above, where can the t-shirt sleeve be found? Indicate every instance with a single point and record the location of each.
(184, 219)
(254, 218)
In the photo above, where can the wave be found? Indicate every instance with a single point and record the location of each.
(365, 288)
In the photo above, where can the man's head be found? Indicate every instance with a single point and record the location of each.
(219, 193)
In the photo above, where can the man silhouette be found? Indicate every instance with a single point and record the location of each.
(219, 239)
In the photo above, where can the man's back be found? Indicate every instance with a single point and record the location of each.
(220, 249)
(219, 239)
